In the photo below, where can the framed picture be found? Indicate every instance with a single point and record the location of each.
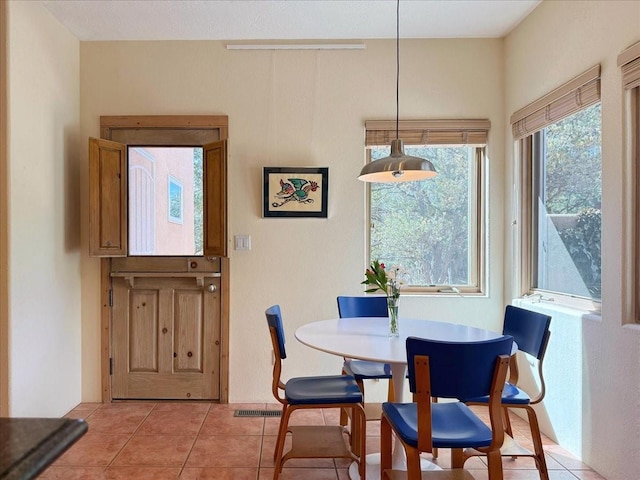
(295, 192)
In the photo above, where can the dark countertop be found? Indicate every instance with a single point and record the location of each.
(29, 445)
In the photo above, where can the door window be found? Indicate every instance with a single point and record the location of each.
(165, 201)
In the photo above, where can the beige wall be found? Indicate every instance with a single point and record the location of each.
(558, 41)
(295, 108)
(44, 223)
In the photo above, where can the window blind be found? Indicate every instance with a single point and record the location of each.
(629, 61)
(575, 95)
(427, 132)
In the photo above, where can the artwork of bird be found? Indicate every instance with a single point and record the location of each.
(298, 190)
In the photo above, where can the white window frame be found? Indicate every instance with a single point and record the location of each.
(444, 133)
(629, 63)
(550, 109)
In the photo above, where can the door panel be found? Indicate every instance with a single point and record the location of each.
(188, 332)
(143, 331)
(166, 337)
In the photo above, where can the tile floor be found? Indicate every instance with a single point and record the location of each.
(188, 441)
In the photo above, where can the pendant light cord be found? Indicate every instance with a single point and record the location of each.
(397, 68)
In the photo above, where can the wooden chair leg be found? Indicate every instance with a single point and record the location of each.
(413, 464)
(361, 433)
(457, 458)
(357, 427)
(536, 437)
(494, 461)
(434, 451)
(282, 430)
(282, 434)
(385, 445)
(343, 411)
(343, 417)
(507, 422)
(391, 393)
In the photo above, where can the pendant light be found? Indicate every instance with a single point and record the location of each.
(397, 167)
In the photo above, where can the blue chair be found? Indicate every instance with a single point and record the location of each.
(530, 330)
(448, 370)
(361, 370)
(337, 391)
(372, 306)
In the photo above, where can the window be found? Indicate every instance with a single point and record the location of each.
(567, 191)
(629, 62)
(109, 198)
(432, 229)
(165, 216)
(560, 163)
(174, 204)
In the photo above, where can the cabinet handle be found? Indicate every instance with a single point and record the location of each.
(212, 288)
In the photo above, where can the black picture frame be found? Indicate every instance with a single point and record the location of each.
(295, 192)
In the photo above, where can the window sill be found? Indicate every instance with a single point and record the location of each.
(552, 306)
(569, 301)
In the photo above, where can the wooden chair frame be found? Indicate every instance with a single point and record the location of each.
(315, 441)
(424, 400)
(511, 448)
(372, 410)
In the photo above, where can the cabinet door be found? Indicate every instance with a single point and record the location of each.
(107, 198)
(215, 194)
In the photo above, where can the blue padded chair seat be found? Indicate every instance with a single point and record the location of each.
(325, 389)
(362, 369)
(453, 425)
(511, 395)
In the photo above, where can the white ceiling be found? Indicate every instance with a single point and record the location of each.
(286, 19)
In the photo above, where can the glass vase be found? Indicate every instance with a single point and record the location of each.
(392, 305)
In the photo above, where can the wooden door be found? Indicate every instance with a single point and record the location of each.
(166, 337)
(139, 342)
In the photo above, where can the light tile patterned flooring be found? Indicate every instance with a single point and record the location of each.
(188, 441)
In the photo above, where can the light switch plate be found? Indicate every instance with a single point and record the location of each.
(242, 242)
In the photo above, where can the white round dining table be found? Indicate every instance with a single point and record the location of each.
(366, 338)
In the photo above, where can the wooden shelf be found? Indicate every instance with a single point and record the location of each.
(317, 441)
(199, 277)
(510, 448)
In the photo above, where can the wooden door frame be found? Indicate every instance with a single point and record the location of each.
(174, 122)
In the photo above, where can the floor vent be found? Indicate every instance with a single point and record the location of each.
(257, 413)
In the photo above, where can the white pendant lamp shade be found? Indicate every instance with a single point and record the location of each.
(397, 167)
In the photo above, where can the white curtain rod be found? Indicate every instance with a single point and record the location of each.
(297, 46)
